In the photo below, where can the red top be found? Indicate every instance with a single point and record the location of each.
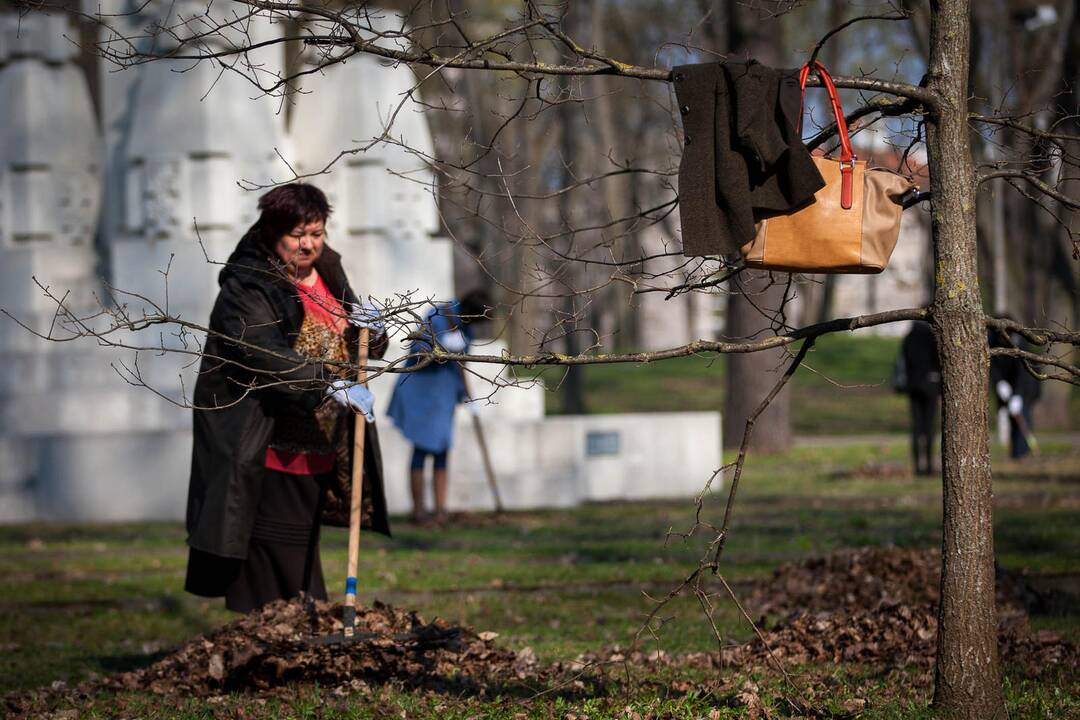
(322, 307)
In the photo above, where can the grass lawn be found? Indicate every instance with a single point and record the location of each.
(79, 600)
(845, 392)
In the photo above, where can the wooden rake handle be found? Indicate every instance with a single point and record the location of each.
(485, 454)
(357, 495)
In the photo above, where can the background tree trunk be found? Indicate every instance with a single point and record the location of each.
(572, 389)
(613, 132)
(751, 377)
(968, 677)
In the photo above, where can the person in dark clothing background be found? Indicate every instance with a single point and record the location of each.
(918, 374)
(1016, 390)
(274, 410)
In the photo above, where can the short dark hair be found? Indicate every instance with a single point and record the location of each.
(474, 305)
(287, 206)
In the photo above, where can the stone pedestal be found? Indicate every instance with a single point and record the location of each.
(560, 461)
(50, 189)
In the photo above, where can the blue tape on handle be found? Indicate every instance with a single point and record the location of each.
(350, 586)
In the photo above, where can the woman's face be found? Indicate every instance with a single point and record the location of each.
(301, 246)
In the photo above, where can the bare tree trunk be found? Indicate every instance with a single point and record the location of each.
(1070, 75)
(751, 377)
(573, 384)
(612, 135)
(522, 259)
(968, 677)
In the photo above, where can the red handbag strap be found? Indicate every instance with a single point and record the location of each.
(847, 155)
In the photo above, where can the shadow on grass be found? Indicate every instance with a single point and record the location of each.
(127, 662)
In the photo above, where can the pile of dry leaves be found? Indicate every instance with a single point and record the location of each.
(863, 579)
(868, 578)
(283, 643)
(874, 606)
(879, 605)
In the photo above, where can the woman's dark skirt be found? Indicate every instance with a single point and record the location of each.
(283, 554)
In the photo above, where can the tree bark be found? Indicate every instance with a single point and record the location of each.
(750, 377)
(968, 677)
(755, 298)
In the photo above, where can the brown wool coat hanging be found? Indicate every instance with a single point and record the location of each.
(743, 159)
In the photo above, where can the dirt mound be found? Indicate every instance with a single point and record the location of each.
(279, 644)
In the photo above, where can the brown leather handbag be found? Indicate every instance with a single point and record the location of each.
(851, 225)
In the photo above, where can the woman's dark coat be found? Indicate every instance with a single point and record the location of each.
(249, 372)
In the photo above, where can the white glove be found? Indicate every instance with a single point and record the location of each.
(367, 315)
(453, 341)
(1016, 405)
(1004, 390)
(354, 396)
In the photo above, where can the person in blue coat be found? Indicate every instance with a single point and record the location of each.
(423, 403)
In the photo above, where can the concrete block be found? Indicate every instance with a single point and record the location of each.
(134, 476)
(565, 460)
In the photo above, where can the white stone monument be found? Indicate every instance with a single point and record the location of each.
(76, 441)
(50, 189)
